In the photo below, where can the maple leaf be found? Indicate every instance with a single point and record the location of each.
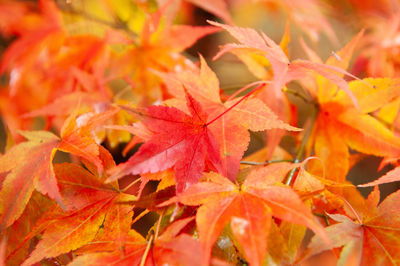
(339, 125)
(284, 70)
(67, 104)
(180, 140)
(278, 101)
(34, 29)
(78, 135)
(376, 58)
(49, 24)
(18, 247)
(56, 82)
(63, 66)
(159, 48)
(261, 195)
(391, 176)
(308, 16)
(371, 239)
(29, 164)
(93, 206)
(168, 248)
(231, 129)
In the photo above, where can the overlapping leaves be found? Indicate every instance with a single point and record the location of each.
(132, 53)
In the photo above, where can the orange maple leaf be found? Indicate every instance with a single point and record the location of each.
(169, 248)
(261, 195)
(29, 164)
(340, 125)
(371, 239)
(284, 69)
(92, 205)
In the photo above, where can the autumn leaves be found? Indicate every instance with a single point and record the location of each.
(184, 145)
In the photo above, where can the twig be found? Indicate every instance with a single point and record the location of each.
(302, 147)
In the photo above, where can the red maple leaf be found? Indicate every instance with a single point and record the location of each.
(180, 140)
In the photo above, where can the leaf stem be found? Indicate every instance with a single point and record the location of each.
(302, 147)
(352, 209)
(297, 94)
(131, 184)
(236, 93)
(322, 216)
(143, 213)
(239, 101)
(159, 224)
(146, 252)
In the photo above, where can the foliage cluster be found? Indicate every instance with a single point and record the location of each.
(122, 148)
